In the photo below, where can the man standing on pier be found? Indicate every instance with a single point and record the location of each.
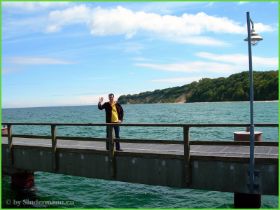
(114, 114)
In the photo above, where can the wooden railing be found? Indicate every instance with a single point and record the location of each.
(110, 139)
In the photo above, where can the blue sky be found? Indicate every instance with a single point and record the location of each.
(69, 53)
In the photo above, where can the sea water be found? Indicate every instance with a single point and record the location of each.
(71, 191)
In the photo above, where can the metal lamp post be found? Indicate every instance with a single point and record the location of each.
(252, 39)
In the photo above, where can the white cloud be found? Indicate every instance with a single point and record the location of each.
(140, 59)
(241, 59)
(260, 27)
(15, 64)
(187, 28)
(33, 6)
(242, 2)
(192, 67)
(167, 7)
(199, 40)
(36, 61)
(120, 20)
(180, 80)
(224, 64)
(74, 15)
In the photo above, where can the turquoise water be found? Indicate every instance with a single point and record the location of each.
(91, 193)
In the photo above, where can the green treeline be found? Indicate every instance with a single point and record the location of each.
(232, 88)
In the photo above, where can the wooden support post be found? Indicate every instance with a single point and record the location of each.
(23, 182)
(112, 160)
(54, 148)
(10, 144)
(244, 200)
(187, 164)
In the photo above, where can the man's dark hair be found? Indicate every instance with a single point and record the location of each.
(111, 94)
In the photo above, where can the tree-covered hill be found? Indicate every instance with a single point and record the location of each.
(232, 88)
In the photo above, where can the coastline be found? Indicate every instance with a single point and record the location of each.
(268, 101)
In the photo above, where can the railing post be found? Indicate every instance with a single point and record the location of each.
(187, 162)
(112, 163)
(54, 147)
(10, 145)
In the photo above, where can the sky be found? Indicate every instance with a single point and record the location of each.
(72, 53)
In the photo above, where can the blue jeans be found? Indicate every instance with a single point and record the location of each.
(117, 137)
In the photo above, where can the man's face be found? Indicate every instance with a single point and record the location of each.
(111, 98)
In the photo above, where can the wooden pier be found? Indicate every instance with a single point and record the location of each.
(206, 165)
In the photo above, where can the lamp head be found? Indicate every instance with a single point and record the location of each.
(254, 37)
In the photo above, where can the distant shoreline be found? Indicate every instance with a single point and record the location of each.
(140, 104)
(232, 88)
